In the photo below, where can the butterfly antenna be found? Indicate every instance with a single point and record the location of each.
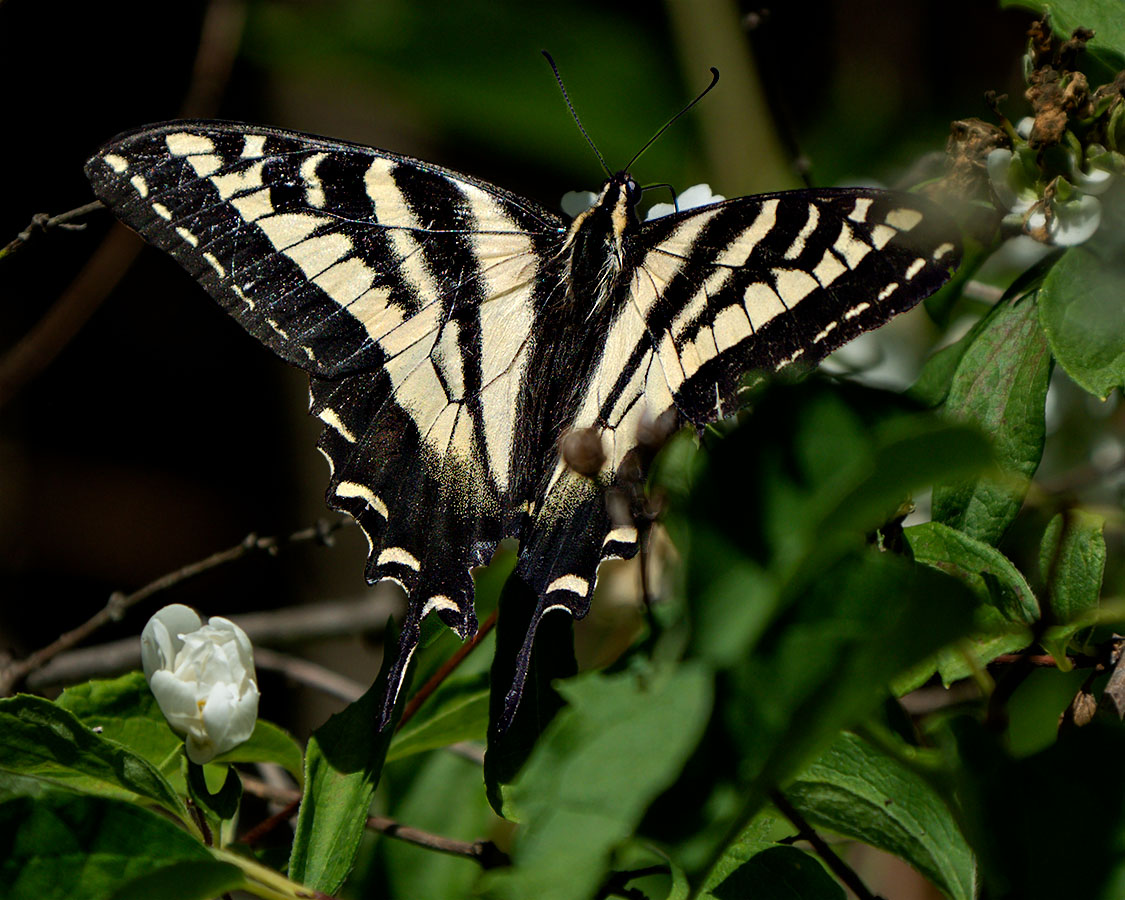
(574, 113)
(669, 123)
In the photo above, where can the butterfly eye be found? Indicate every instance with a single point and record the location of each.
(632, 191)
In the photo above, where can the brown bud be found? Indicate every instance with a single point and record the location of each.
(582, 451)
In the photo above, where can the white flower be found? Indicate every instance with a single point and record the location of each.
(574, 203)
(203, 678)
(690, 198)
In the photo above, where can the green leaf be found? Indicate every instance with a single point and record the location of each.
(269, 743)
(195, 880)
(1103, 16)
(552, 658)
(779, 873)
(444, 797)
(1000, 386)
(39, 740)
(126, 711)
(986, 571)
(770, 517)
(1083, 316)
(857, 791)
(827, 663)
(342, 766)
(456, 712)
(763, 832)
(1070, 840)
(220, 805)
(62, 846)
(619, 742)
(992, 636)
(1072, 564)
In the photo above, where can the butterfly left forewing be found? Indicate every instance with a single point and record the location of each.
(410, 294)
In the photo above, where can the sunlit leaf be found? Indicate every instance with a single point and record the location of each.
(40, 740)
(1000, 386)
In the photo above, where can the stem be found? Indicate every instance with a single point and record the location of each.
(839, 868)
(269, 884)
(446, 670)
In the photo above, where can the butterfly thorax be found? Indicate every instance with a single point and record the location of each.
(595, 244)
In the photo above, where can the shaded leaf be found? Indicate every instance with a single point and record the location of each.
(618, 743)
(457, 711)
(342, 766)
(779, 873)
(860, 792)
(41, 741)
(827, 663)
(219, 805)
(972, 562)
(1083, 316)
(62, 847)
(1070, 840)
(196, 880)
(1000, 386)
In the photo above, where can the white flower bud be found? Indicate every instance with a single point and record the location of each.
(203, 679)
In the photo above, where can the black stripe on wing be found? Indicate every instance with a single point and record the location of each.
(283, 230)
(787, 278)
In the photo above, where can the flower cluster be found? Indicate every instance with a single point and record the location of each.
(203, 679)
(1058, 172)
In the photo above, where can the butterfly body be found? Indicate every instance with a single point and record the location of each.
(455, 333)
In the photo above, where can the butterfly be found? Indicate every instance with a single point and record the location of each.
(485, 369)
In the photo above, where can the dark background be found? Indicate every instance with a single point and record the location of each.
(161, 432)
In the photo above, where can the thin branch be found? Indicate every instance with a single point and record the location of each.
(839, 868)
(288, 625)
(119, 603)
(446, 670)
(484, 853)
(41, 223)
(267, 825)
(1046, 661)
(310, 674)
(218, 46)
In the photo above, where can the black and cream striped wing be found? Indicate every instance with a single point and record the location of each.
(407, 291)
(710, 294)
(755, 284)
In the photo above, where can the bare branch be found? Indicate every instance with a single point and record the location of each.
(485, 853)
(41, 223)
(805, 831)
(219, 40)
(309, 674)
(119, 603)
